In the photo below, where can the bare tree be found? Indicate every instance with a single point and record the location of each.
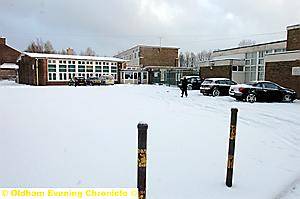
(247, 42)
(38, 46)
(193, 59)
(88, 52)
(182, 59)
(48, 48)
(63, 52)
(35, 46)
(187, 58)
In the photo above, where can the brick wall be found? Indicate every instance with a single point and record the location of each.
(27, 73)
(8, 54)
(8, 73)
(293, 39)
(158, 56)
(281, 73)
(216, 71)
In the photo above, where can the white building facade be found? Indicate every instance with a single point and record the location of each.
(254, 57)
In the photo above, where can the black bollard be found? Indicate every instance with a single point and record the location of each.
(232, 136)
(142, 159)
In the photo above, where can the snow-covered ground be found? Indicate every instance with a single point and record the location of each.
(86, 137)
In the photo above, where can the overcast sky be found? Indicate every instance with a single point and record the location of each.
(115, 25)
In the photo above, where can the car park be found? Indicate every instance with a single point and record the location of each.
(216, 86)
(263, 91)
(93, 81)
(193, 82)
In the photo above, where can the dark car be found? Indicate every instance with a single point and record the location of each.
(79, 81)
(263, 91)
(216, 86)
(93, 81)
(193, 82)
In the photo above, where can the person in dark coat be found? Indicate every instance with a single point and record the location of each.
(184, 87)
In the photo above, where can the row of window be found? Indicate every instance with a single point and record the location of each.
(132, 75)
(81, 62)
(82, 68)
(68, 76)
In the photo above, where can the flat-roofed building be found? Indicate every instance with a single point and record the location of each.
(253, 57)
(284, 68)
(143, 60)
(56, 69)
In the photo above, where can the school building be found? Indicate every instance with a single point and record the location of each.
(56, 69)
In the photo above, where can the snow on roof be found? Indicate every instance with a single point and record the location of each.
(9, 66)
(78, 57)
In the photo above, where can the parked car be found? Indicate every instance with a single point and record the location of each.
(263, 91)
(194, 82)
(107, 80)
(78, 81)
(93, 81)
(216, 86)
(71, 82)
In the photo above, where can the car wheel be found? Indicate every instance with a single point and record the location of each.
(190, 87)
(251, 98)
(287, 98)
(216, 92)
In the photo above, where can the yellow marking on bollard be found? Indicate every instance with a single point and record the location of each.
(142, 159)
(232, 132)
(230, 162)
(142, 194)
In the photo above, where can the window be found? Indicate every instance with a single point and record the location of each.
(135, 75)
(261, 54)
(240, 68)
(89, 69)
(51, 68)
(114, 69)
(73, 62)
(69, 62)
(97, 68)
(62, 68)
(247, 62)
(106, 69)
(81, 68)
(144, 75)
(54, 76)
(270, 86)
(71, 68)
(128, 75)
(234, 68)
(50, 76)
(261, 61)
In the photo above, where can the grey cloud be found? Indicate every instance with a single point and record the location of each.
(111, 26)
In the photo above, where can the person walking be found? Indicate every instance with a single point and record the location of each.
(184, 87)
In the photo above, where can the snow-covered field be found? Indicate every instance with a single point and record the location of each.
(86, 137)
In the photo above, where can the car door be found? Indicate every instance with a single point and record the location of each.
(259, 91)
(272, 92)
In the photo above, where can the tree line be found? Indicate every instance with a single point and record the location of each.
(39, 46)
(191, 59)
